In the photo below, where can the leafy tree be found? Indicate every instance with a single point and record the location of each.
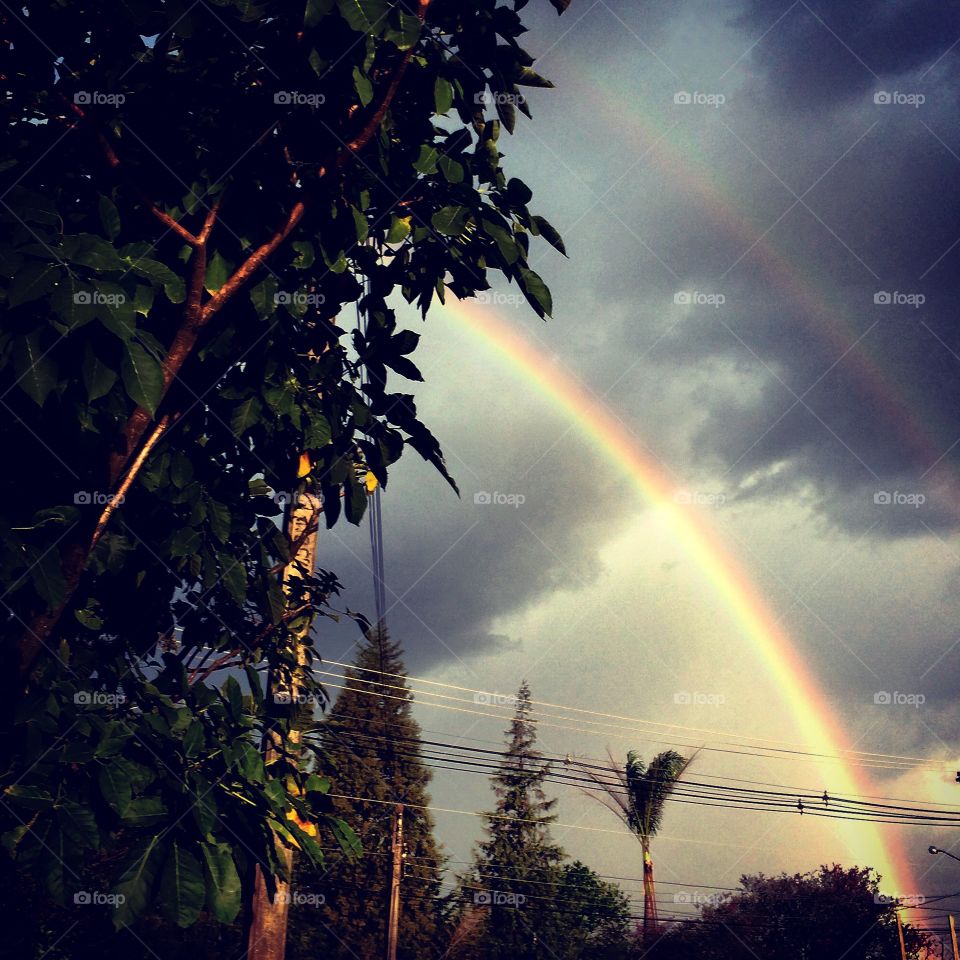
(637, 796)
(831, 912)
(192, 197)
(372, 744)
(594, 916)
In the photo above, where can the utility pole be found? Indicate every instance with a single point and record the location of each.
(903, 946)
(267, 938)
(396, 850)
(953, 939)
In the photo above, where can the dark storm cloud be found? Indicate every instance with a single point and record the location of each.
(454, 566)
(818, 54)
(861, 397)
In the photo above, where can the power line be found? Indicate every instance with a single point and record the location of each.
(698, 792)
(794, 748)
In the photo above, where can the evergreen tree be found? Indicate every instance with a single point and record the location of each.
(517, 860)
(371, 746)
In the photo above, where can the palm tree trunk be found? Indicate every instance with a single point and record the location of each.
(651, 926)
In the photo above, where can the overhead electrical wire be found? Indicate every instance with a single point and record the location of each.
(787, 747)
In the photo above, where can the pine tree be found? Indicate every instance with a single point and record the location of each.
(518, 857)
(371, 749)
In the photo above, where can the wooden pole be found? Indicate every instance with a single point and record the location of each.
(396, 849)
(903, 946)
(267, 937)
(953, 939)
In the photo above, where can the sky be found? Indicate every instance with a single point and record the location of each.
(759, 201)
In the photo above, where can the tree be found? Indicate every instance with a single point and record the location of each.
(371, 745)
(831, 912)
(637, 796)
(517, 856)
(594, 916)
(193, 195)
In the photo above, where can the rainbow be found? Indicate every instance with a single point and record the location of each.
(827, 317)
(733, 588)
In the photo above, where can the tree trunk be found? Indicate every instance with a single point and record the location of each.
(651, 926)
(267, 936)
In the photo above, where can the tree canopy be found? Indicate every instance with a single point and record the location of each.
(210, 212)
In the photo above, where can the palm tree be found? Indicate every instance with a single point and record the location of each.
(637, 797)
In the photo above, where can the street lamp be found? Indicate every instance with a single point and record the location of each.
(935, 850)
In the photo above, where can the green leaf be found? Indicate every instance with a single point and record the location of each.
(363, 86)
(518, 193)
(264, 298)
(348, 840)
(307, 255)
(318, 432)
(399, 229)
(449, 220)
(528, 78)
(114, 782)
(78, 824)
(503, 239)
(550, 234)
(142, 377)
(316, 10)
(223, 881)
(36, 371)
(35, 207)
(109, 217)
(218, 271)
(98, 377)
(442, 95)
(245, 415)
(33, 798)
(426, 163)
(143, 299)
(46, 575)
(452, 170)
(536, 291)
(32, 281)
(365, 16)
(408, 32)
(182, 888)
(92, 251)
(361, 225)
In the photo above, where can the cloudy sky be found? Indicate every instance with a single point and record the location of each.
(760, 202)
